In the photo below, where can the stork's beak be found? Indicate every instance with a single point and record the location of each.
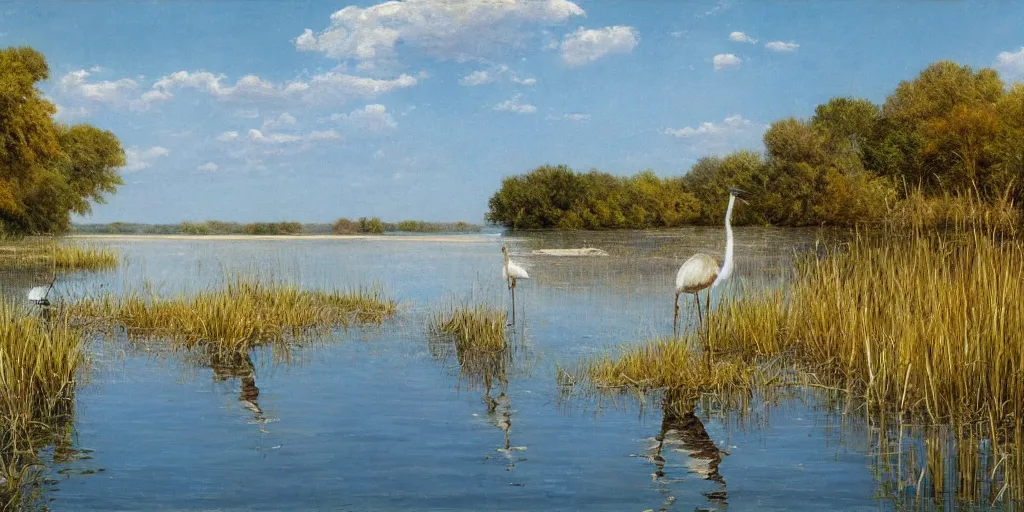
(738, 193)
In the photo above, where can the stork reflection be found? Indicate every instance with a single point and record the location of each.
(487, 369)
(683, 432)
(226, 365)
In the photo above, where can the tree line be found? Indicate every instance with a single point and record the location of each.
(48, 170)
(950, 132)
(342, 226)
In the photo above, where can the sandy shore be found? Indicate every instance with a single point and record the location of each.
(394, 238)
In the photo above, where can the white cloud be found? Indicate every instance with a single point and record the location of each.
(677, 33)
(731, 125)
(779, 46)
(285, 119)
(208, 167)
(1011, 65)
(247, 113)
(76, 83)
(741, 37)
(291, 138)
(325, 87)
(484, 76)
(475, 78)
(585, 46)
(373, 118)
(138, 159)
(513, 105)
(524, 81)
(444, 29)
(69, 113)
(228, 136)
(726, 60)
(569, 117)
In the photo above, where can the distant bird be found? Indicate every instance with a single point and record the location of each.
(38, 295)
(511, 272)
(701, 270)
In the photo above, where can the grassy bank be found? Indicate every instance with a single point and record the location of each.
(243, 314)
(39, 255)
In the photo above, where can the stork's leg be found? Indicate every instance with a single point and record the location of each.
(513, 301)
(700, 320)
(707, 312)
(675, 316)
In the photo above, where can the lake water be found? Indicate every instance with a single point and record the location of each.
(370, 420)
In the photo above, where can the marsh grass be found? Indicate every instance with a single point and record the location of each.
(665, 364)
(245, 313)
(39, 360)
(37, 255)
(476, 335)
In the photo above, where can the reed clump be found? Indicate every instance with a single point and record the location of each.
(62, 257)
(39, 360)
(927, 326)
(479, 327)
(665, 364)
(245, 313)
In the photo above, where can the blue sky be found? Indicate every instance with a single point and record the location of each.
(309, 111)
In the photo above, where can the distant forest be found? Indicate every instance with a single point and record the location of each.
(342, 226)
(942, 144)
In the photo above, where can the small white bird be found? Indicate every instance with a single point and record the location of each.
(701, 270)
(37, 295)
(512, 272)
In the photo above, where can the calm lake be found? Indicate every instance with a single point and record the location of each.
(370, 419)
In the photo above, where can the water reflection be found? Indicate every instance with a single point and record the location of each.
(683, 433)
(489, 370)
(229, 364)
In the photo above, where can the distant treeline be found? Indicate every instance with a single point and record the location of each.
(216, 227)
(948, 134)
(364, 225)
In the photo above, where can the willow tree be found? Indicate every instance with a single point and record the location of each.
(47, 170)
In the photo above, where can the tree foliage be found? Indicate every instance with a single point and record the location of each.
(951, 131)
(557, 196)
(47, 170)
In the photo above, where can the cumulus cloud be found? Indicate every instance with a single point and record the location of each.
(732, 124)
(726, 60)
(779, 46)
(228, 136)
(569, 117)
(513, 105)
(1011, 65)
(65, 113)
(76, 83)
(208, 167)
(260, 137)
(741, 37)
(486, 76)
(285, 119)
(444, 29)
(475, 78)
(588, 45)
(331, 86)
(138, 159)
(372, 118)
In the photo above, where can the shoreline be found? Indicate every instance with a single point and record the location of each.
(470, 238)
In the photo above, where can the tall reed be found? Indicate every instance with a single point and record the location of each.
(39, 359)
(245, 313)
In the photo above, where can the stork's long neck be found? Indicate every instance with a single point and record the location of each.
(505, 257)
(726, 270)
